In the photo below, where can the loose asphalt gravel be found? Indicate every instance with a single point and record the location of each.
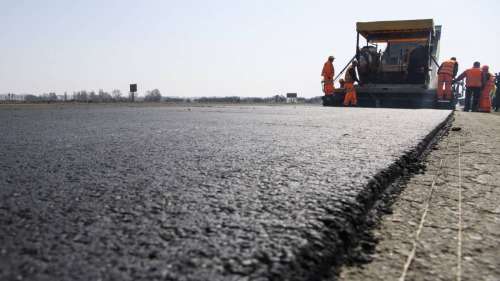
(190, 193)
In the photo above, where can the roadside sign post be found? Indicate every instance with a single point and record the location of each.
(133, 90)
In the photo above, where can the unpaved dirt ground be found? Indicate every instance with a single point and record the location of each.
(179, 193)
(449, 216)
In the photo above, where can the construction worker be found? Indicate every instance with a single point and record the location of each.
(446, 72)
(488, 81)
(341, 83)
(328, 73)
(473, 83)
(496, 104)
(349, 79)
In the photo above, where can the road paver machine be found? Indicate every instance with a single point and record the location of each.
(397, 66)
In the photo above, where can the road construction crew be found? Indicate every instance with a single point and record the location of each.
(328, 73)
(473, 83)
(446, 72)
(349, 78)
(488, 81)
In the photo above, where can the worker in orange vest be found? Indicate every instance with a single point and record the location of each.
(328, 73)
(349, 78)
(488, 81)
(473, 83)
(446, 72)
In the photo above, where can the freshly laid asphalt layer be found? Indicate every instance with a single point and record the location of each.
(199, 193)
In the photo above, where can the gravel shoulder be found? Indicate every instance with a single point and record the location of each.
(445, 224)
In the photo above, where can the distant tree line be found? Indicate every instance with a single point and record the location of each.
(50, 97)
(82, 96)
(273, 99)
(79, 96)
(154, 95)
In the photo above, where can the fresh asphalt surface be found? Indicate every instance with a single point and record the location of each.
(178, 193)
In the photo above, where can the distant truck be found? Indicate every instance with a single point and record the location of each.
(398, 65)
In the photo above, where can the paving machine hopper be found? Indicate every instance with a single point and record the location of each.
(397, 66)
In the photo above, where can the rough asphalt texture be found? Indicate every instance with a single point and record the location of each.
(437, 255)
(176, 193)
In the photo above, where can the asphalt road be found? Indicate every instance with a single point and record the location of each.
(178, 193)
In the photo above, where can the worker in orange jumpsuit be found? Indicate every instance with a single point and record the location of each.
(488, 81)
(349, 78)
(328, 73)
(446, 72)
(473, 83)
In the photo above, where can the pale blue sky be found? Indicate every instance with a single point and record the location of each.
(212, 48)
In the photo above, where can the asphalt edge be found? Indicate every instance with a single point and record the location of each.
(350, 241)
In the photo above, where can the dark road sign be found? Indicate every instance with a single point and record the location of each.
(133, 88)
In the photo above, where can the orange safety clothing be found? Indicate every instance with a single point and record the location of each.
(328, 88)
(328, 72)
(350, 95)
(447, 67)
(444, 80)
(485, 99)
(473, 76)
